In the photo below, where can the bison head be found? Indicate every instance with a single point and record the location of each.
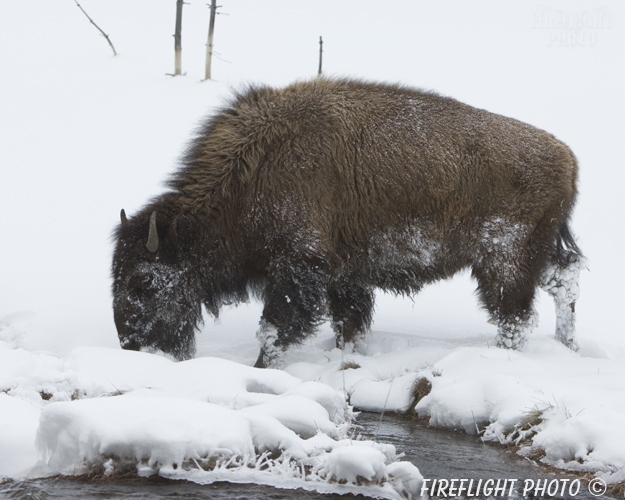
(156, 290)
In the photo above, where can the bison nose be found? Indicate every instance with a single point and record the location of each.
(126, 339)
(130, 345)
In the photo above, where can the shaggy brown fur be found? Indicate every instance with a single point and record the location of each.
(314, 195)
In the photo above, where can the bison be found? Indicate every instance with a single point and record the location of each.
(313, 196)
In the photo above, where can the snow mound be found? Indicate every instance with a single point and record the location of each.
(556, 404)
(547, 398)
(155, 432)
(109, 411)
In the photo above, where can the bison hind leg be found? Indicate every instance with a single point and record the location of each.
(507, 273)
(351, 308)
(561, 281)
(508, 297)
(513, 332)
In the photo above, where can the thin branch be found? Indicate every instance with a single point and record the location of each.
(99, 29)
(218, 55)
(377, 431)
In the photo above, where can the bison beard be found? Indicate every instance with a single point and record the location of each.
(312, 196)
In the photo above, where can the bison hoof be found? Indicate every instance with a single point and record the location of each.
(508, 341)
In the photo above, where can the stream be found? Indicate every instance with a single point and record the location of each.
(438, 453)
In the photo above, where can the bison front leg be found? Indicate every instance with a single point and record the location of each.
(351, 308)
(561, 281)
(294, 306)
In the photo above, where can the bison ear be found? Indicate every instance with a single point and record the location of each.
(123, 217)
(152, 244)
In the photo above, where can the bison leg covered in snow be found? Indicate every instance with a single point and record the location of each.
(312, 196)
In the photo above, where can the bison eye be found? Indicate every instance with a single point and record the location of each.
(140, 286)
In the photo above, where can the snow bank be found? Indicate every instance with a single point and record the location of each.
(547, 397)
(205, 442)
(19, 419)
(108, 411)
(156, 433)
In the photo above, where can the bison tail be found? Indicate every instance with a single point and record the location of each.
(567, 250)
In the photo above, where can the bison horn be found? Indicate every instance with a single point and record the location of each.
(152, 244)
(123, 217)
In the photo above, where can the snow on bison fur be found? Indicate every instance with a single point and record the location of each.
(312, 196)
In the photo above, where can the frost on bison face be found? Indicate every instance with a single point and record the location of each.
(156, 305)
(313, 196)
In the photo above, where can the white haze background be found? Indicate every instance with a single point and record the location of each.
(84, 134)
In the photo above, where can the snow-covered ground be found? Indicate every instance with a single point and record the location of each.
(85, 134)
(207, 420)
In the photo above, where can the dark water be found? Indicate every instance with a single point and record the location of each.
(438, 454)
(153, 490)
(444, 454)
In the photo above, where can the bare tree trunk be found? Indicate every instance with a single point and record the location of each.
(209, 43)
(178, 38)
(99, 29)
(320, 56)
